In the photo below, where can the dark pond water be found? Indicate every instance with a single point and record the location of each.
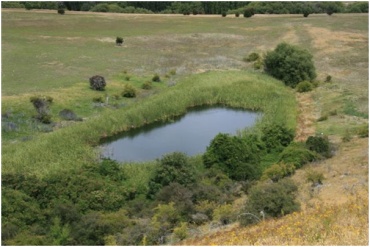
(190, 134)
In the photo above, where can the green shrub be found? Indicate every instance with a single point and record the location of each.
(173, 167)
(276, 137)
(129, 91)
(278, 171)
(252, 57)
(258, 64)
(119, 41)
(61, 11)
(304, 86)
(97, 82)
(297, 154)
(156, 78)
(248, 12)
(306, 13)
(235, 156)
(224, 214)
(328, 78)
(98, 99)
(224, 14)
(290, 64)
(237, 14)
(181, 231)
(271, 199)
(147, 85)
(363, 131)
(319, 144)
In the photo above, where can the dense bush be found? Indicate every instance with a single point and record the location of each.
(290, 64)
(304, 86)
(278, 171)
(248, 12)
(173, 167)
(276, 137)
(319, 144)
(97, 82)
(147, 85)
(273, 199)
(235, 156)
(252, 57)
(224, 14)
(297, 154)
(129, 91)
(119, 41)
(61, 11)
(156, 78)
(315, 177)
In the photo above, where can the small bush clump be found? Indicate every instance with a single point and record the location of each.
(224, 14)
(328, 78)
(237, 14)
(98, 99)
(248, 12)
(97, 82)
(147, 85)
(278, 171)
(314, 177)
(297, 154)
(276, 137)
(304, 86)
(41, 104)
(129, 92)
(61, 11)
(363, 131)
(69, 115)
(252, 57)
(119, 41)
(319, 144)
(156, 78)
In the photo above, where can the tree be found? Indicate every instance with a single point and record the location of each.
(290, 64)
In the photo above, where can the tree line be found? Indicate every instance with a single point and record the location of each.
(198, 7)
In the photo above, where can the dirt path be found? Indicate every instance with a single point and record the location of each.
(306, 116)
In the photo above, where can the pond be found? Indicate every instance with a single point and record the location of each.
(190, 134)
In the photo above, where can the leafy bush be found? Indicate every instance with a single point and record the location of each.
(61, 11)
(101, 7)
(129, 91)
(290, 64)
(304, 86)
(156, 78)
(297, 154)
(235, 156)
(173, 167)
(119, 41)
(328, 78)
(98, 99)
(181, 232)
(224, 214)
(363, 131)
(319, 144)
(224, 14)
(273, 199)
(248, 12)
(306, 13)
(278, 171)
(252, 57)
(237, 14)
(276, 137)
(97, 82)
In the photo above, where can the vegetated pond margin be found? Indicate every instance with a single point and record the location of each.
(189, 133)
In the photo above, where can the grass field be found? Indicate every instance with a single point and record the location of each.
(200, 61)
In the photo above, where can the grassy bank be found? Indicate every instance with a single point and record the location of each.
(73, 146)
